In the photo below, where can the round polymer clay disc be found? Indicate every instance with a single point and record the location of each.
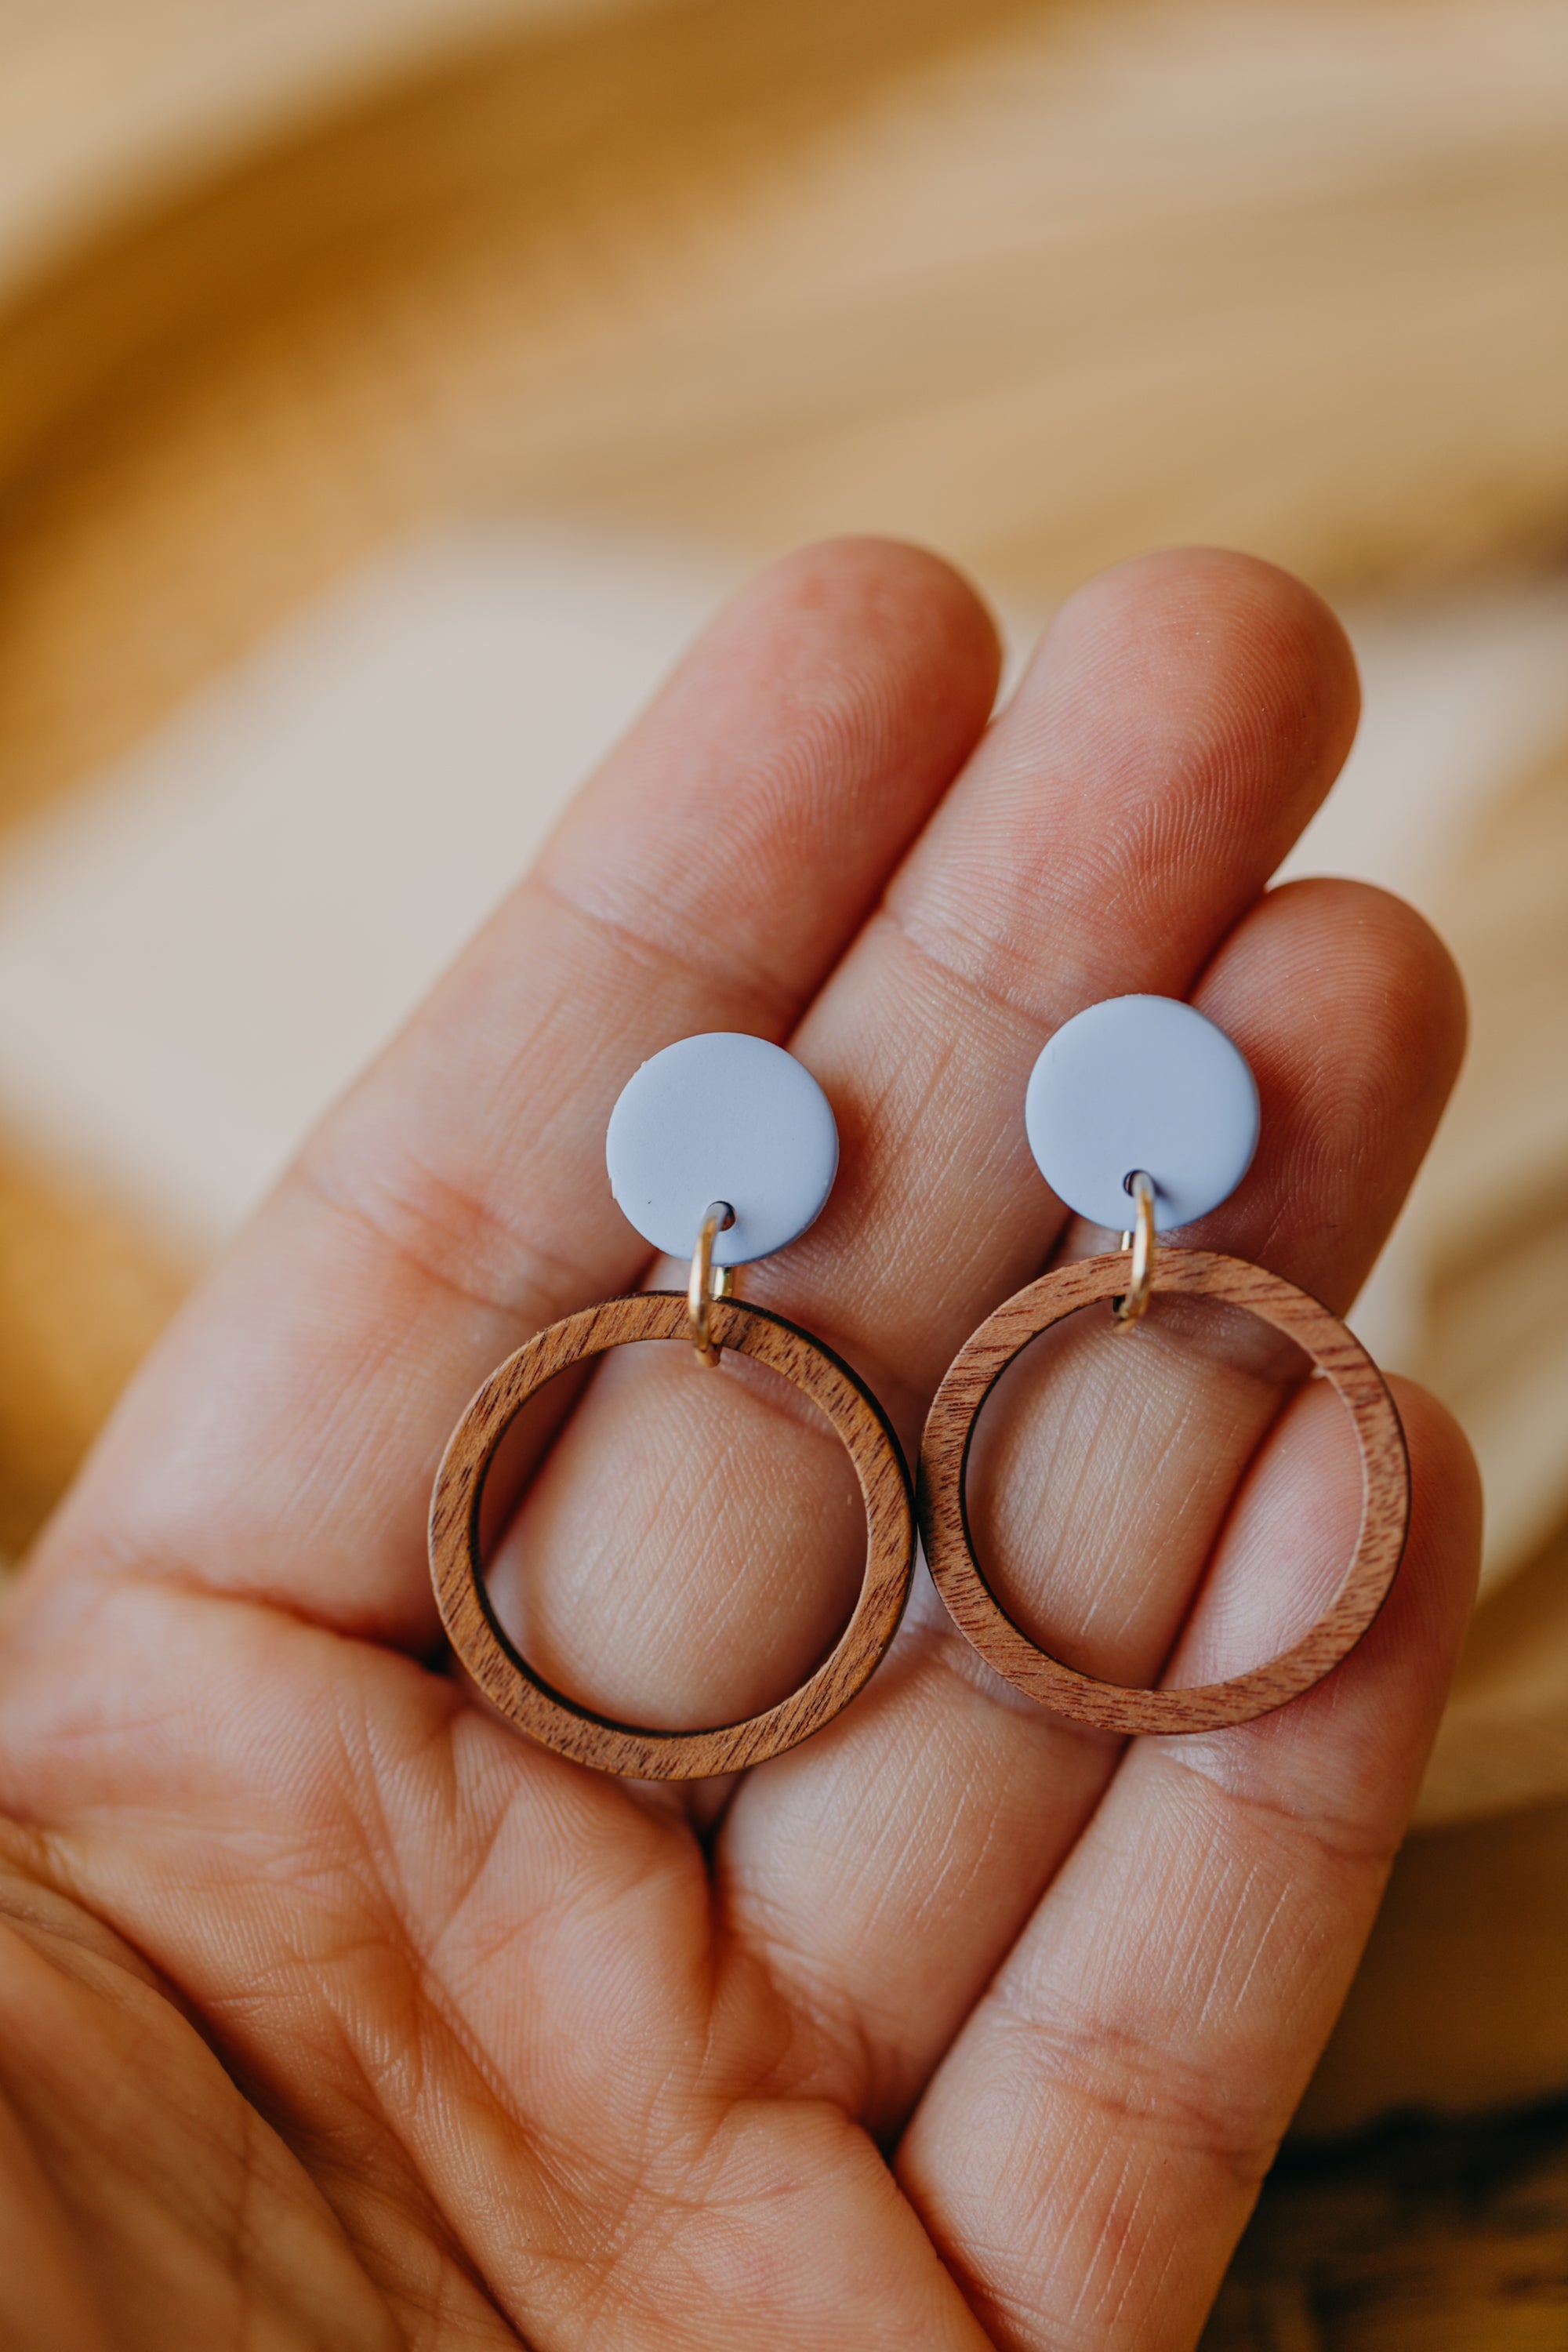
(723, 1118)
(1142, 1082)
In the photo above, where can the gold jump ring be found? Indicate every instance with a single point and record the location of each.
(706, 1284)
(1129, 1308)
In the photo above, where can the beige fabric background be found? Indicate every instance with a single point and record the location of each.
(322, 324)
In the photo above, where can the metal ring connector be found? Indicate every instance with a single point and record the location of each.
(708, 1283)
(1129, 1308)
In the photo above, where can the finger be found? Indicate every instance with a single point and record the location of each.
(1088, 2154)
(1106, 1472)
(283, 1441)
(1179, 724)
(1108, 1475)
(963, 1798)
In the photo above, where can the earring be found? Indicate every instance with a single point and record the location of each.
(1142, 1099)
(725, 1146)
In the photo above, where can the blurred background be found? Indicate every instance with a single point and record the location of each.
(387, 391)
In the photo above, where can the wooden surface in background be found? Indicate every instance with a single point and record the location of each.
(1041, 282)
(1459, 2001)
(1427, 2237)
(1494, 1206)
(84, 1291)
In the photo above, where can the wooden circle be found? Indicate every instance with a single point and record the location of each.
(1111, 1706)
(507, 1679)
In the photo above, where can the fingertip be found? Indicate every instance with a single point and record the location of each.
(1351, 1013)
(1235, 669)
(859, 593)
(1372, 951)
(771, 787)
(1237, 609)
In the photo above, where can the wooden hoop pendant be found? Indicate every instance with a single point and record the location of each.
(1111, 1706)
(507, 1679)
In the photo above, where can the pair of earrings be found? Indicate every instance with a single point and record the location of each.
(725, 1146)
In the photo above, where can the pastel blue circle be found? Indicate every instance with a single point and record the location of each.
(1142, 1082)
(722, 1117)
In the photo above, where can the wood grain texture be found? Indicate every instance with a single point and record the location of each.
(1457, 2005)
(546, 1714)
(1285, 278)
(944, 1518)
(1427, 2236)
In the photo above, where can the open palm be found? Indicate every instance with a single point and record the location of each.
(334, 2013)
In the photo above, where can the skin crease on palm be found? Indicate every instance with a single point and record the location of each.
(333, 2013)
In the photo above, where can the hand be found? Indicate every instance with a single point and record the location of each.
(334, 2013)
